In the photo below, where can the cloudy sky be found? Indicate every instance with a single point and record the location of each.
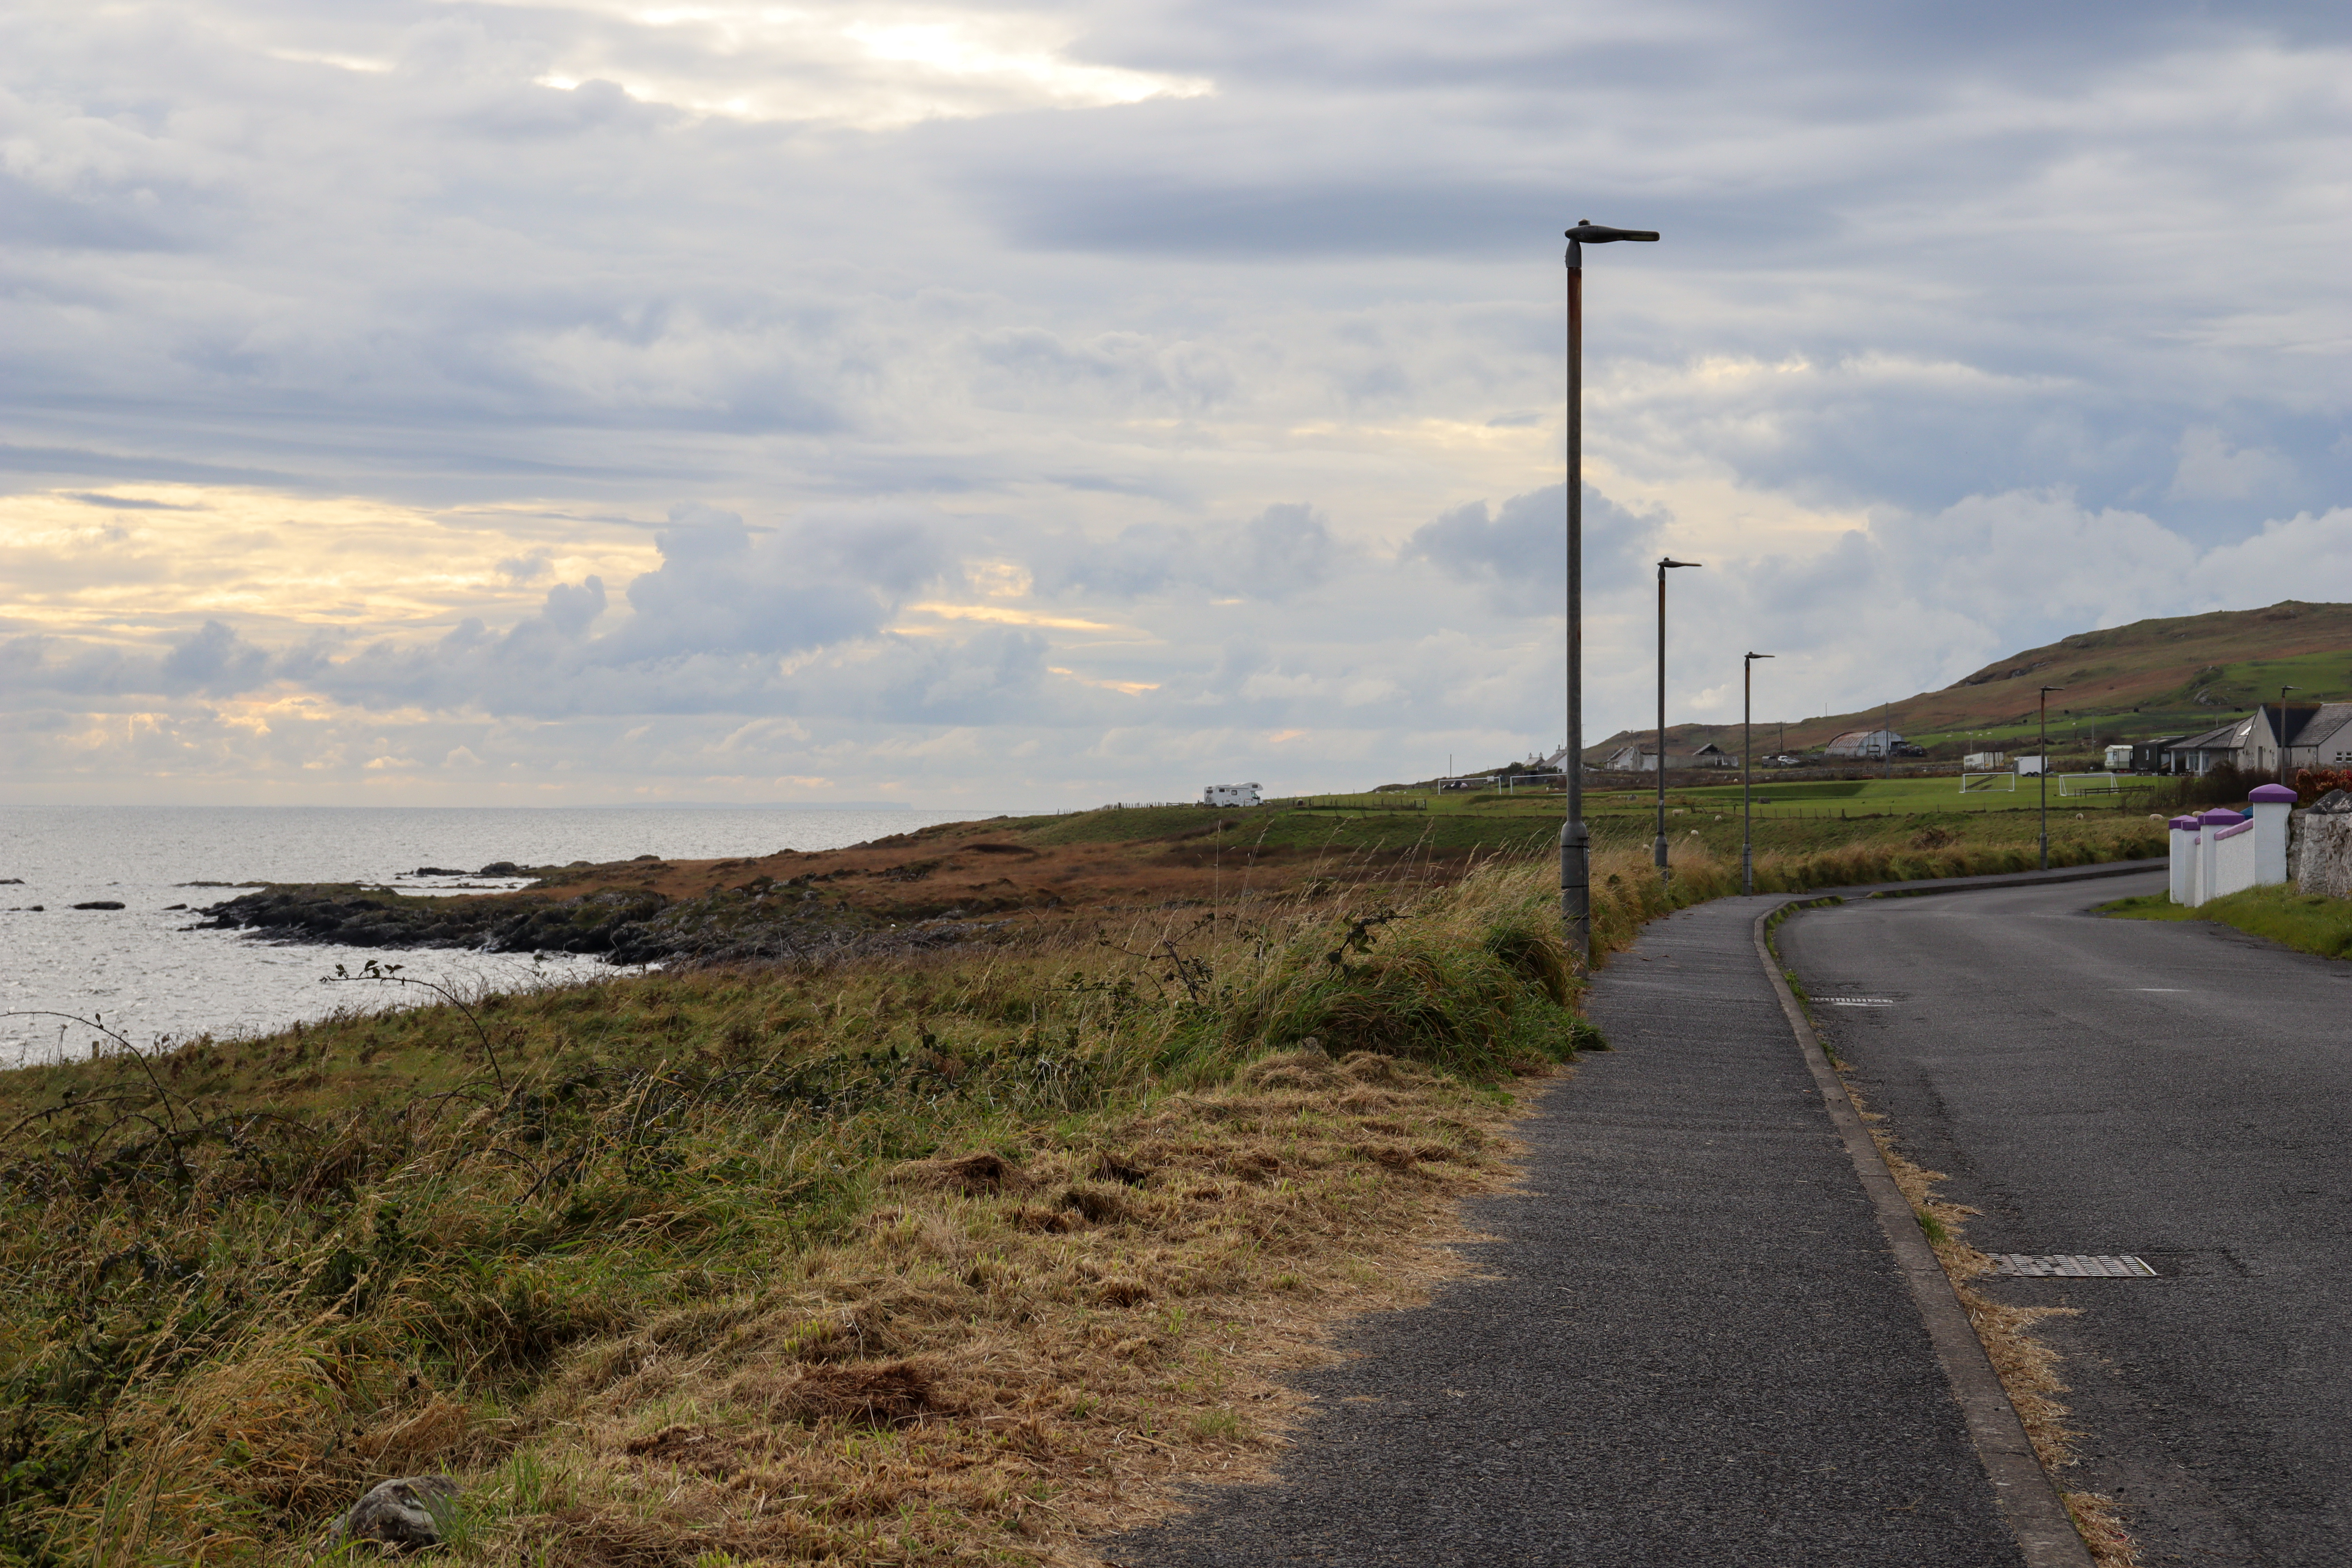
(1026, 405)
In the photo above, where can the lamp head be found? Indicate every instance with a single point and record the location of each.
(1588, 232)
(1759, 656)
(1666, 562)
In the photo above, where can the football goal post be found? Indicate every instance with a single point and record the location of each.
(1985, 784)
(2089, 783)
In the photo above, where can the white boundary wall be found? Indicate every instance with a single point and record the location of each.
(2220, 853)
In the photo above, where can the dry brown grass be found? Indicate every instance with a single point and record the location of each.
(1001, 1368)
(2028, 1367)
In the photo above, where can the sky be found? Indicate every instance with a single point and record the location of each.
(428, 402)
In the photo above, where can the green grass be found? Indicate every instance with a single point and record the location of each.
(1793, 820)
(2309, 922)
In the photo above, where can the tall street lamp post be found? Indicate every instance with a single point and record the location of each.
(1747, 770)
(2281, 732)
(1658, 850)
(2044, 760)
(1575, 840)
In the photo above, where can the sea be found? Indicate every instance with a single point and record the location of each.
(140, 972)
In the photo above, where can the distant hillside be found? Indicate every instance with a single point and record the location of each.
(2151, 678)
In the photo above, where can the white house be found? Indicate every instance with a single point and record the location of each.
(1638, 758)
(2316, 736)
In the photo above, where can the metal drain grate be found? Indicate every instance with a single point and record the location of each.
(2070, 1266)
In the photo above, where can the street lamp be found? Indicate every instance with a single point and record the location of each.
(1575, 840)
(1658, 850)
(1747, 770)
(2281, 731)
(2044, 760)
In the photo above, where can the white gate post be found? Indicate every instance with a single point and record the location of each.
(2184, 860)
(2273, 806)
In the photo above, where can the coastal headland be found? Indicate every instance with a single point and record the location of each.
(1004, 877)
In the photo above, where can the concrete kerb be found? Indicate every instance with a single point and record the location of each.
(2028, 1498)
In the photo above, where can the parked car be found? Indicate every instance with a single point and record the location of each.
(1907, 750)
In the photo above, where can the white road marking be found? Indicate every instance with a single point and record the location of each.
(2070, 1265)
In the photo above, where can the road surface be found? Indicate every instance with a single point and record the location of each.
(2176, 1091)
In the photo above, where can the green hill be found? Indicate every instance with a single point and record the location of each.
(2168, 676)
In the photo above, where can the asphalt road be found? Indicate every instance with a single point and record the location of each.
(2178, 1091)
(1686, 1344)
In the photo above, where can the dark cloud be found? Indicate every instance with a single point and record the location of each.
(127, 504)
(215, 661)
(1518, 555)
(1285, 551)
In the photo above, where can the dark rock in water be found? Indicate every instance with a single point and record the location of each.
(101, 904)
(407, 1515)
(169, 908)
(436, 871)
(12, 881)
(756, 923)
(500, 868)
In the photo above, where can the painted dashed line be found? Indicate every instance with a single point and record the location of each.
(2070, 1265)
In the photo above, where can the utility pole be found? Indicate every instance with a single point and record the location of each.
(1747, 770)
(2282, 730)
(2045, 771)
(1575, 839)
(1658, 850)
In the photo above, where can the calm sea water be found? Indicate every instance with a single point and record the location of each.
(146, 976)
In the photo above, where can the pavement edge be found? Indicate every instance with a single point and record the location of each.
(2029, 1500)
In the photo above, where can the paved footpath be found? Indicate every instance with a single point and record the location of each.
(2180, 1092)
(1688, 1344)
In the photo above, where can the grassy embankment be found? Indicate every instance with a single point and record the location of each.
(967, 1253)
(2309, 923)
(957, 1255)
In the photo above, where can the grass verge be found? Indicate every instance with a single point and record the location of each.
(2028, 1368)
(2309, 922)
(965, 1256)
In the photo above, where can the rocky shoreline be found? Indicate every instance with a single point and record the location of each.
(619, 925)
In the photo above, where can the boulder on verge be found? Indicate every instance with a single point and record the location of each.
(406, 1514)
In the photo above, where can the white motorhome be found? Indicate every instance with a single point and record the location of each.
(1230, 794)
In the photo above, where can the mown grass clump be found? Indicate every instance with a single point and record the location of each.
(841, 1264)
(2309, 922)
